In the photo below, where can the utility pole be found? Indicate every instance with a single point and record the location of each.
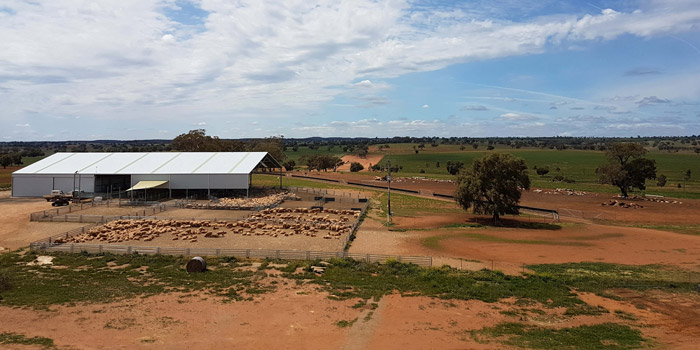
(388, 180)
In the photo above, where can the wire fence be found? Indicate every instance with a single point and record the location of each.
(68, 216)
(590, 215)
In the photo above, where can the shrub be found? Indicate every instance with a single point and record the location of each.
(661, 180)
(355, 167)
(542, 171)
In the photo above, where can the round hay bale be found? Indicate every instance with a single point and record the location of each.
(196, 264)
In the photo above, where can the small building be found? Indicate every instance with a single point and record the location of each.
(178, 174)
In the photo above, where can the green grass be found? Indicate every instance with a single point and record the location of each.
(306, 151)
(20, 339)
(574, 164)
(684, 229)
(40, 286)
(346, 323)
(605, 336)
(405, 205)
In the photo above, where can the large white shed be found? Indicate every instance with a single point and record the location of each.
(111, 172)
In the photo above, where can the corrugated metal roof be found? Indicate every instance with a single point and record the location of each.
(147, 163)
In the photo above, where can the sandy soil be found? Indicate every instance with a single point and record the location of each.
(366, 162)
(15, 228)
(299, 317)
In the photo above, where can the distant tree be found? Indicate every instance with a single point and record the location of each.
(626, 167)
(198, 141)
(490, 147)
(454, 167)
(437, 164)
(493, 185)
(661, 180)
(697, 151)
(687, 175)
(323, 162)
(295, 148)
(272, 145)
(6, 160)
(362, 151)
(542, 171)
(422, 145)
(475, 145)
(462, 148)
(289, 165)
(355, 167)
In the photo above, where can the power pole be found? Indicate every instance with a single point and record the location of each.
(388, 180)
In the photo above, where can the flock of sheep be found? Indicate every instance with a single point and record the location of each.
(329, 223)
(266, 201)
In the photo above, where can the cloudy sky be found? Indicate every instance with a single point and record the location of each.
(82, 70)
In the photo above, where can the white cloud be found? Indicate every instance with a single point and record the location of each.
(426, 106)
(22, 125)
(517, 116)
(126, 60)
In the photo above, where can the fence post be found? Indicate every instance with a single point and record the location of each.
(99, 250)
(308, 255)
(247, 253)
(187, 252)
(72, 248)
(128, 250)
(277, 254)
(218, 252)
(157, 250)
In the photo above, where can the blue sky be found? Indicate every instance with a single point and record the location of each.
(82, 70)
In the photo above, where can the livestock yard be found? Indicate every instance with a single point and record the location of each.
(612, 273)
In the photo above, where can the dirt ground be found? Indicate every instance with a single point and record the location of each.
(301, 317)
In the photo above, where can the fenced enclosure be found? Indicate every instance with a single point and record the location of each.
(590, 215)
(66, 214)
(233, 252)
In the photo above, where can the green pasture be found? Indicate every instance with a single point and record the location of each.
(306, 151)
(577, 165)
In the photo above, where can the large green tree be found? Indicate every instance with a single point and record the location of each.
(493, 185)
(198, 141)
(626, 167)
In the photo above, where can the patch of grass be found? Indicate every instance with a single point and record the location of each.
(346, 323)
(585, 309)
(360, 304)
(463, 225)
(21, 339)
(625, 315)
(684, 229)
(605, 336)
(40, 286)
(369, 316)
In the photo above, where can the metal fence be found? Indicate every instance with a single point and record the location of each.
(591, 215)
(57, 216)
(234, 252)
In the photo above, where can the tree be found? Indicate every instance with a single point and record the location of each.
(454, 167)
(626, 168)
(355, 167)
(198, 141)
(493, 185)
(362, 151)
(272, 145)
(542, 171)
(661, 180)
(475, 145)
(687, 175)
(323, 162)
(289, 165)
(5, 160)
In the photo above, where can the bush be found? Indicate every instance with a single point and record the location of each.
(542, 171)
(661, 180)
(4, 284)
(289, 165)
(355, 167)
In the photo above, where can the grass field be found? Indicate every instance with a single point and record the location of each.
(577, 165)
(306, 151)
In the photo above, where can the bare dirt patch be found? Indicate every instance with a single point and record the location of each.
(366, 162)
(16, 229)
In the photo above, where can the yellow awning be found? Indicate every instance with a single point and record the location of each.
(142, 185)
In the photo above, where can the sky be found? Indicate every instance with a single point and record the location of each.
(145, 69)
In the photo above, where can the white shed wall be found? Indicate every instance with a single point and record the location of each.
(39, 185)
